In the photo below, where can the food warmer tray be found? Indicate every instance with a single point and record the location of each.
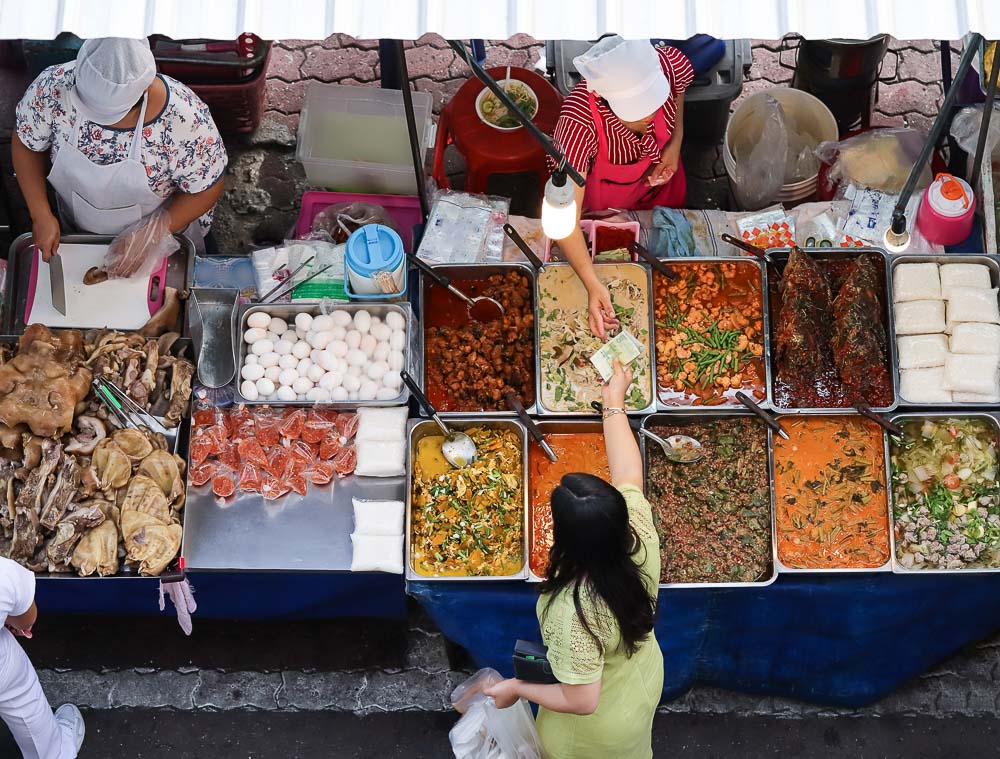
(994, 419)
(662, 407)
(287, 311)
(780, 256)
(180, 268)
(993, 264)
(703, 415)
(782, 568)
(480, 271)
(651, 389)
(419, 429)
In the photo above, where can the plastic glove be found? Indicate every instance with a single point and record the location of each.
(140, 249)
(182, 595)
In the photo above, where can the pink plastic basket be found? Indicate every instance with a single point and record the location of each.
(403, 209)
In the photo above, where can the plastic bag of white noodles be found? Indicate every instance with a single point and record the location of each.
(486, 732)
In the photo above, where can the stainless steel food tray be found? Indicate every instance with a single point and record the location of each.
(780, 257)
(897, 568)
(412, 353)
(481, 271)
(677, 263)
(419, 429)
(650, 389)
(993, 264)
(180, 268)
(704, 415)
(783, 568)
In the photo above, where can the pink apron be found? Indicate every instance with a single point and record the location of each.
(612, 186)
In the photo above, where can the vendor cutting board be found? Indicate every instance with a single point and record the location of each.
(115, 304)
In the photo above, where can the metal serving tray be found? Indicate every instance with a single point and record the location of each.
(420, 429)
(990, 262)
(897, 568)
(704, 415)
(180, 268)
(678, 263)
(481, 271)
(542, 410)
(784, 569)
(780, 257)
(286, 311)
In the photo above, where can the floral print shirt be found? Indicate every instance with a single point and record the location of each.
(181, 146)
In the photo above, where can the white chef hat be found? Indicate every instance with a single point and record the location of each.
(626, 73)
(111, 75)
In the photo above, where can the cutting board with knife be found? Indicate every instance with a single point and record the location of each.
(115, 303)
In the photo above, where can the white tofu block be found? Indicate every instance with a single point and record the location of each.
(971, 373)
(993, 397)
(919, 317)
(377, 553)
(380, 458)
(378, 517)
(381, 424)
(971, 304)
(963, 275)
(974, 337)
(916, 282)
(923, 385)
(921, 351)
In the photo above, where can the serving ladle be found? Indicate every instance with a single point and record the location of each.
(458, 449)
(681, 449)
(481, 308)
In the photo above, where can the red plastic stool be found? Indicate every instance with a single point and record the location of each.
(491, 151)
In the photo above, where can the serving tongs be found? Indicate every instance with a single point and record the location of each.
(866, 411)
(481, 308)
(759, 253)
(518, 408)
(124, 409)
(761, 414)
(271, 297)
(641, 251)
(681, 449)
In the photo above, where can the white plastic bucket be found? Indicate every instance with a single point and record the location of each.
(804, 113)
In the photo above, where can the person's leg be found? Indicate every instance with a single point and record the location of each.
(23, 706)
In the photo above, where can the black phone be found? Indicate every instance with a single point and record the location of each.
(531, 663)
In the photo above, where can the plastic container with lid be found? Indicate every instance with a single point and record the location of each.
(946, 210)
(374, 263)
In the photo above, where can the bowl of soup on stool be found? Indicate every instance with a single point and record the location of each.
(497, 115)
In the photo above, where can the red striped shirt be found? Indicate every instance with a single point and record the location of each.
(576, 133)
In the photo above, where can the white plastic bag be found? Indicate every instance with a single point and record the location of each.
(486, 732)
(880, 159)
(760, 172)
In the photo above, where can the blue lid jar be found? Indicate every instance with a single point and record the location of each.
(373, 248)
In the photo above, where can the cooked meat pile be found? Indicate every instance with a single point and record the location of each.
(858, 338)
(803, 334)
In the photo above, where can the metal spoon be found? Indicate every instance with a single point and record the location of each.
(891, 427)
(765, 417)
(458, 449)
(515, 403)
(516, 238)
(481, 308)
(682, 449)
(656, 263)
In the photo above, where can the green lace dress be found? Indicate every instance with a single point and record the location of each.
(630, 686)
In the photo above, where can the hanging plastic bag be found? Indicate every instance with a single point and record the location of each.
(759, 173)
(139, 249)
(486, 732)
(341, 219)
(965, 130)
(880, 159)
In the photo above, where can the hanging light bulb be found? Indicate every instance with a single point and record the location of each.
(896, 238)
(559, 207)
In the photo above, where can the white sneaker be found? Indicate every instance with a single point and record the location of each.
(70, 719)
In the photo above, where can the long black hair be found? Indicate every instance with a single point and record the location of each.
(592, 551)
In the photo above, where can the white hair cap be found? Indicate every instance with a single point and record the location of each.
(626, 73)
(111, 75)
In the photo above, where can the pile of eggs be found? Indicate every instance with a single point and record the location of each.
(341, 356)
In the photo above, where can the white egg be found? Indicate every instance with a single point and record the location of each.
(354, 370)
(278, 325)
(314, 355)
(288, 376)
(269, 359)
(352, 383)
(342, 366)
(303, 367)
(339, 394)
(254, 334)
(338, 333)
(330, 380)
(395, 320)
(272, 336)
(353, 395)
(316, 373)
(301, 397)
(301, 334)
(265, 386)
(286, 394)
(318, 395)
(319, 340)
(327, 361)
(398, 340)
(272, 373)
(262, 347)
(301, 349)
(252, 372)
(322, 323)
(381, 332)
(288, 361)
(392, 379)
(303, 321)
(302, 385)
(363, 323)
(381, 352)
(356, 357)
(259, 319)
(250, 359)
(396, 361)
(290, 336)
(283, 347)
(341, 318)
(337, 348)
(368, 344)
(353, 338)
(367, 391)
(249, 390)
(377, 370)
(387, 393)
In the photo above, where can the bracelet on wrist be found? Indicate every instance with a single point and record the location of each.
(611, 411)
